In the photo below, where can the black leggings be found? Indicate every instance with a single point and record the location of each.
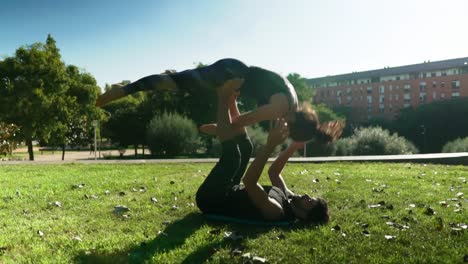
(190, 81)
(228, 172)
(195, 89)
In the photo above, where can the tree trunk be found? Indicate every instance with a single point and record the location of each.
(143, 150)
(30, 149)
(63, 152)
(136, 149)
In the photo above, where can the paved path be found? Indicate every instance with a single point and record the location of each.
(87, 157)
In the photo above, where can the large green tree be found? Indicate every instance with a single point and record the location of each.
(76, 121)
(432, 125)
(35, 92)
(35, 82)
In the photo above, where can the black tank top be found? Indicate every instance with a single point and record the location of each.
(261, 84)
(239, 204)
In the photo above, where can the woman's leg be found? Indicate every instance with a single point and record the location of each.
(189, 81)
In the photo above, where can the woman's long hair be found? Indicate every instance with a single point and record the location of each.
(307, 126)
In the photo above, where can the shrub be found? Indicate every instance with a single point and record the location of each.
(172, 134)
(373, 141)
(343, 147)
(457, 145)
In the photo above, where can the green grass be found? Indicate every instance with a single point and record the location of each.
(29, 191)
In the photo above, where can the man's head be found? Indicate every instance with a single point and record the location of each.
(305, 125)
(310, 210)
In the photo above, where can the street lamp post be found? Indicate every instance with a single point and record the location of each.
(95, 124)
(423, 132)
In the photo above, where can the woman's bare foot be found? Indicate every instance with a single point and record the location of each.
(114, 93)
(209, 129)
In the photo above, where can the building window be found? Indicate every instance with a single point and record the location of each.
(382, 89)
(407, 96)
(442, 84)
(369, 90)
(442, 95)
(348, 91)
(422, 97)
(369, 99)
(398, 78)
(455, 84)
(406, 105)
(457, 94)
(444, 73)
(422, 86)
(434, 84)
(382, 99)
(433, 95)
(397, 97)
(338, 93)
(433, 74)
(407, 88)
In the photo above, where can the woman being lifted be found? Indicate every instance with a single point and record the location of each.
(274, 95)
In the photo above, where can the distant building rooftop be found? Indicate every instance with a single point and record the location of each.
(415, 68)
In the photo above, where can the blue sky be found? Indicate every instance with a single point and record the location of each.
(126, 40)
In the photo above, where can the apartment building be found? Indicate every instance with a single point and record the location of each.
(384, 92)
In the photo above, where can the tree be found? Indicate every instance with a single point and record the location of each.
(76, 121)
(432, 125)
(32, 91)
(128, 120)
(305, 93)
(49, 101)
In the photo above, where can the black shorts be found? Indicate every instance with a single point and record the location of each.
(227, 173)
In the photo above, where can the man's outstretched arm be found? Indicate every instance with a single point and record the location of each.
(274, 172)
(269, 208)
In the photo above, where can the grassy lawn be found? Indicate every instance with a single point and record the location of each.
(381, 213)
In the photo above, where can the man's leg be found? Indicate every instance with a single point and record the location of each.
(218, 183)
(244, 144)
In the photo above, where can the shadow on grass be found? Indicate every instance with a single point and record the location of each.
(177, 232)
